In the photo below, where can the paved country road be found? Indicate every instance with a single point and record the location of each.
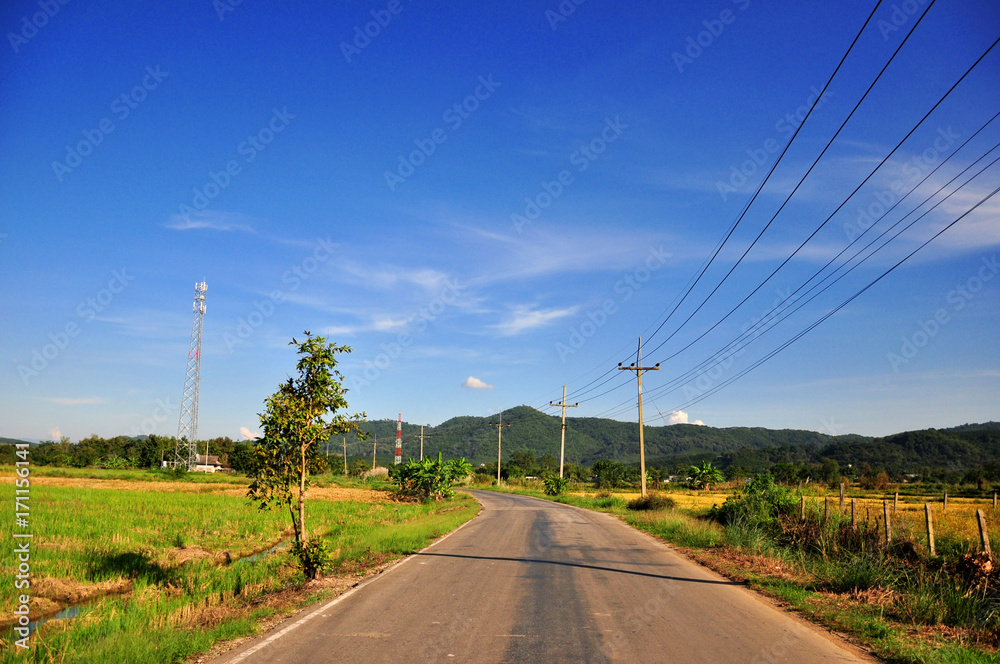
(529, 580)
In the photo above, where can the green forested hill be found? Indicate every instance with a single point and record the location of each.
(587, 438)
(753, 449)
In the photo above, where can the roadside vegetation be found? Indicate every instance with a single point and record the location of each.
(893, 597)
(159, 571)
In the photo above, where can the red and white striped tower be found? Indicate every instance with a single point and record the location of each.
(399, 440)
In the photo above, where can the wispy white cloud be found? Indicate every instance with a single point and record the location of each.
(248, 434)
(474, 383)
(526, 317)
(73, 401)
(212, 220)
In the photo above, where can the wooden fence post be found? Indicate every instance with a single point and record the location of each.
(826, 509)
(842, 498)
(930, 529)
(946, 500)
(895, 503)
(854, 513)
(984, 535)
(994, 501)
(888, 526)
(802, 508)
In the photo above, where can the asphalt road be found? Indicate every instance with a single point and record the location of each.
(533, 581)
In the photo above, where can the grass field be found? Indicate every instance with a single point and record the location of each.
(165, 569)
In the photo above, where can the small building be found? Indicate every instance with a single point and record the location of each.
(208, 463)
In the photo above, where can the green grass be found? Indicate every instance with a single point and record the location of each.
(173, 609)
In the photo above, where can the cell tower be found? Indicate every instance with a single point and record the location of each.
(186, 454)
(399, 440)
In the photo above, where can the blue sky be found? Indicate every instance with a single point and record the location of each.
(487, 202)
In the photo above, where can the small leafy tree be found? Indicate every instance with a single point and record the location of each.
(294, 428)
(555, 485)
(429, 479)
(705, 476)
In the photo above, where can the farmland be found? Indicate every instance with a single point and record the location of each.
(164, 569)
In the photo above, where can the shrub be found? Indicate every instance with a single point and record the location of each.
(555, 485)
(652, 501)
(761, 502)
(429, 479)
(314, 556)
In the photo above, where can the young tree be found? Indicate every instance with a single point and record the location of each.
(705, 475)
(294, 427)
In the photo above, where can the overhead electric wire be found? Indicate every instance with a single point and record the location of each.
(731, 349)
(950, 90)
(806, 175)
(767, 177)
(832, 214)
(691, 284)
(841, 306)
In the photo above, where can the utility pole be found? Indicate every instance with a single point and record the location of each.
(638, 369)
(421, 442)
(399, 441)
(374, 445)
(562, 440)
(345, 455)
(499, 425)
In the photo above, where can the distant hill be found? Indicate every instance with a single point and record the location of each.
(985, 426)
(587, 439)
(14, 441)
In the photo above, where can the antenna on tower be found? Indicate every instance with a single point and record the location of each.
(186, 453)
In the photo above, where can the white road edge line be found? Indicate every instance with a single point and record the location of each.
(301, 621)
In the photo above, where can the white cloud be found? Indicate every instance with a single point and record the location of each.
(474, 383)
(680, 417)
(208, 219)
(80, 401)
(55, 433)
(249, 435)
(526, 317)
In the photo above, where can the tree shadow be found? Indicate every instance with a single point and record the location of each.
(130, 564)
(598, 568)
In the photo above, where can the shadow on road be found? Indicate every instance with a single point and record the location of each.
(584, 566)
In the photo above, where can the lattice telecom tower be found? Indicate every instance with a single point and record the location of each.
(399, 440)
(186, 454)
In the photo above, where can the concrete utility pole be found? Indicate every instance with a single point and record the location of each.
(562, 439)
(345, 455)
(421, 442)
(374, 445)
(499, 425)
(638, 369)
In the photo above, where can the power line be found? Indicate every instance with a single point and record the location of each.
(803, 179)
